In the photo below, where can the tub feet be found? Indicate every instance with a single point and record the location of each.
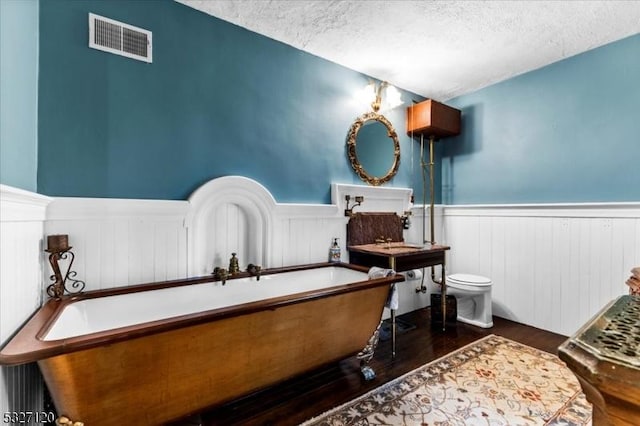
(64, 421)
(366, 355)
(367, 372)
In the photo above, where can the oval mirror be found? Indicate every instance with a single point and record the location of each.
(373, 148)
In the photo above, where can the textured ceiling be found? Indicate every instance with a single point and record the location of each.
(438, 49)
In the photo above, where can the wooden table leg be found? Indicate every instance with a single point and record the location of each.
(393, 334)
(392, 265)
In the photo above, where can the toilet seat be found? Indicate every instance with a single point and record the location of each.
(468, 280)
(473, 296)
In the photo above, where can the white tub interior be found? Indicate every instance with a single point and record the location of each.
(111, 312)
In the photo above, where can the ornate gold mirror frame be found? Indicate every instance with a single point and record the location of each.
(353, 157)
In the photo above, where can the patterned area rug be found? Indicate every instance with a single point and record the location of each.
(493, 381)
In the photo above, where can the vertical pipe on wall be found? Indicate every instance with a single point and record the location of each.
(432, 195)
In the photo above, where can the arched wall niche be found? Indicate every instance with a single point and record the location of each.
(230, 214)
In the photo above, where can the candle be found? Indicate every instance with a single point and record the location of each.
(57, 243)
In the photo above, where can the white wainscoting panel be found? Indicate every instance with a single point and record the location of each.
(22, 216)
(552, 266)
(237, 214)
(120, 242)
(307, 239)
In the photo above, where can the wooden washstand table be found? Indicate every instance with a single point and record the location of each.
(605, 357)
(402, 257)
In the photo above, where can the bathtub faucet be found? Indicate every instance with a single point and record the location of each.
(220, 274)
(254, 270)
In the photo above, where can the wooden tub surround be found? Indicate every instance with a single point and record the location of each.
(159, 371)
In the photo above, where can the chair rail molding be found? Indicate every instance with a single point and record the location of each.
(622, 209)
(21, 205)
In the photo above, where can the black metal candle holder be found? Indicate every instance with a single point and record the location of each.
(59, 249)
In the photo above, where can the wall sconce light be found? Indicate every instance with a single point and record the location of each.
(381, 96)
(349, 211)
(59, 249)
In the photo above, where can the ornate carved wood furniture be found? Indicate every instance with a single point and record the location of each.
(375, 239)
(605, 356)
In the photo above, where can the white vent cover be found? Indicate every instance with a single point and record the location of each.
(119, 38)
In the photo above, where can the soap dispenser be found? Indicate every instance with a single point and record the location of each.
(334, 251)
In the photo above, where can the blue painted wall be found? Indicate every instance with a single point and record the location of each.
(19, 93)
(217, 100)
(568, 132)
(220, 100)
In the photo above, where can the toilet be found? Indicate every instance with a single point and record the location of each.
(473, 295)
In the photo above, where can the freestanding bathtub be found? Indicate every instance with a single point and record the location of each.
(153, 353)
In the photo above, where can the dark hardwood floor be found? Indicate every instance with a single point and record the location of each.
(294, 401)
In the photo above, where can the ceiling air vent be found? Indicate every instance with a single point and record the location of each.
(119, 38)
